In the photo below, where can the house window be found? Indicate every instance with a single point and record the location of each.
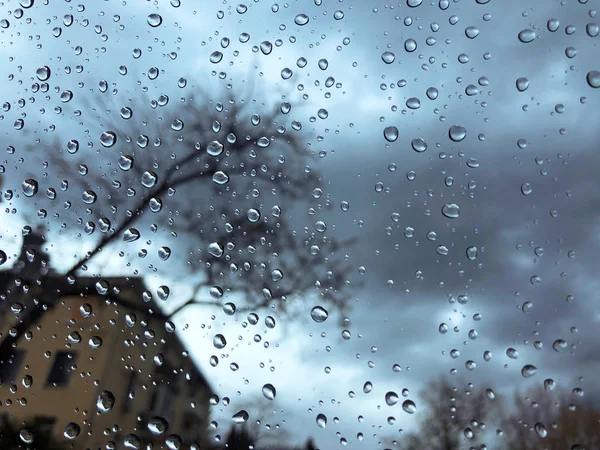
(60, 371)
(9, 367)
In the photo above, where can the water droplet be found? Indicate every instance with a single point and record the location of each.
(388, 57)
(432, 93)
(26, 435)
(409, 406)
(451, 210)
(3, 257)
(593, 78)
(216, 57)
(30, 187)
(390, 133)
(154, 20)
(157, 425)
(391, 398)
(549, 384)
(214, 148)
(592, 29)
(43, 73)
(253, 215)
(559, 345)
(410, 45)
(471, 32)
(105, 402)
(457, 133)
(553, 25)
(240, 417)
(301, 19)
(108, 138)
(490, 394)
(72, 430)
(418, 145)
(512, 353)
(269, 391)
(528, 371)
(540, 429)
(319, 314)
(131, 235)
(216, 249)
(527, 36)
(322, 420)
(219, 341)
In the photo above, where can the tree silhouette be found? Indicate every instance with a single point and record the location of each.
(551, 420)
(220, 176)
(239, 438)
(452, 417)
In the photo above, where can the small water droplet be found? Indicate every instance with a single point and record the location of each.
(319, 314)
(154, 20)
(301, 19)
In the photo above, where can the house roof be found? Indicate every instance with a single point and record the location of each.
(49, 286)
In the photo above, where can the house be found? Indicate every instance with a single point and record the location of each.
(92, 361)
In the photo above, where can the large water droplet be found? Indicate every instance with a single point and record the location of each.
(593, 78)
(457, 133)
(409, 406)
(72, 430)
(528, 371)
(214, 148)
(154, 20)
(301, 19)
(527, 36)
(269, 391)
(451, 210)
(30, 187)
(391, 398)
(26, 435)
(108, 138)
(390, 133)
(388, 57)
(219, 341)
(157, 425)
(540, 429)
(240, 417)
(319, 314)
(105, 402)
(322, 420)
(131, 235)
(43, 73)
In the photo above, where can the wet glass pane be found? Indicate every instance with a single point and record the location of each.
(312, 224)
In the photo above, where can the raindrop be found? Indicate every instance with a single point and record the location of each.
(322, 420)
(471, 32)
(216, 57)
(457, 133)
(131, 235)
(154, 20)
(391, 398)
(30, 187)
(388, 57)
(269, 391)
(240, 417)
(26, 435)
(526, 36)
(219, 341)
(72, 430)
(540, 429)
(418, 145)
(43, 73)
(559, 345)
(108, 138)
(528, 371)
(390, 133)
(593, 78)
(319, 314)
(214, 148)
(549, 384)
(472, 253)
(157, 425)
(410, 45)
(301, 19)
(409, 406)
(451, 210)
(105, 402)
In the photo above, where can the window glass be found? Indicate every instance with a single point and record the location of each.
(315, 224)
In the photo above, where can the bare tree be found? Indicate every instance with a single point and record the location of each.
(222, 172)
(452, 418)
(550, 420)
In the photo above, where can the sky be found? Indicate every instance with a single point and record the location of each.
(524, 178)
